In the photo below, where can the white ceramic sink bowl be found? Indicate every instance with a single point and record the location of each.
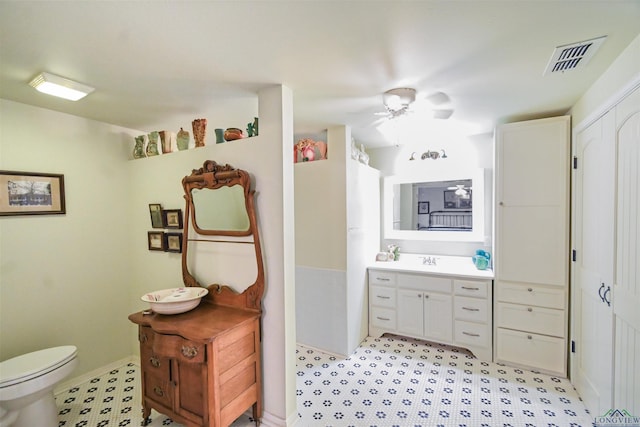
(175, 300)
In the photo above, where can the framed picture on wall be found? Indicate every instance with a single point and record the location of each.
(155, 210)
(156, 240)
(31, 193)
(173, 242)
(423, 207)
(172, 218)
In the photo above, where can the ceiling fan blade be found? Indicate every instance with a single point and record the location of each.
(438, 98)
(442, 114)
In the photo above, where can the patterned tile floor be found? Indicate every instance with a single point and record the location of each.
(388, 381)
(396, 381)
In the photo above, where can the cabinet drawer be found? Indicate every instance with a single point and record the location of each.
(475, 334)
(382, 296)
(424, 283)
(531, 318)
(383, 318)
(377, 277)
(531, 295)
(471, 288)
(533, 350)
(472, 309)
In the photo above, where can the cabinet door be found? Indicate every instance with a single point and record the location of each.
(532, 180)
(438, 317)
(410, 312)
(191, 382)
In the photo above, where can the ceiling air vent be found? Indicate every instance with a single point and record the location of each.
(573, 56)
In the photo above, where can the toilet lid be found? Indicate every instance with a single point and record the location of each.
(31, 365)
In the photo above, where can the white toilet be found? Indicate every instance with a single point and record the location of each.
(26, 386)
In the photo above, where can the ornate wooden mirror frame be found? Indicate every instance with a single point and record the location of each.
(212, 176)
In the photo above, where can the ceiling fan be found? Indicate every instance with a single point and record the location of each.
(461, 190)
(402, 101)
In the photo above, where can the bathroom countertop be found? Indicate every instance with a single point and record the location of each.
(445, 266)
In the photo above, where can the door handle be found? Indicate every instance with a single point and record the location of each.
(600, 292)
(606, 299)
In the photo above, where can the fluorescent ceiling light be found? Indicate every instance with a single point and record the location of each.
(60, 87)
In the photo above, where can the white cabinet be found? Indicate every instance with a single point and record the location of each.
(442, 309)
(531, 260)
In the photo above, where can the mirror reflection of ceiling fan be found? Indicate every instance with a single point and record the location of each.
(402, 101)
(461, 190)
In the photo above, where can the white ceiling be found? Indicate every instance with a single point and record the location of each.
(160, 64)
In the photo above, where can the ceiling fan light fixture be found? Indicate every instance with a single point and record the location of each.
(399, 99)
(59, 86)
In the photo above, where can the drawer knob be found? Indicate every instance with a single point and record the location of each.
(529, 309)
(386, 319)
(468, 288)
(530, 289)
(529, 337)
(383, 296)
(143, 338)
(470, 309)
(155, 362)
(189, 352)
(470, 334)
(383, 279)
(157, 390)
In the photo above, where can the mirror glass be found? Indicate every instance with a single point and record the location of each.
(220, 209)
(429, 206)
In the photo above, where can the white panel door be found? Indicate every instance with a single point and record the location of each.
(626, 305)
(594, 227)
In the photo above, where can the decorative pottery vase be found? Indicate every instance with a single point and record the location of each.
(232, 134)
(219, 136)
(308, 154)
(152, 146)
(138, 149)
(183, 139)
(199, 131)
(166, 141)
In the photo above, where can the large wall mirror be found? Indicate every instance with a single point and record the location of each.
(438, 206)
(221, 245)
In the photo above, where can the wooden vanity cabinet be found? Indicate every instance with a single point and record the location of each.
(201, 368)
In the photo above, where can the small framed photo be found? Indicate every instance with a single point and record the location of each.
(172, 218)
(155, 210)
(156, 240)
(173, 242)
(31, 193)
(423, 207)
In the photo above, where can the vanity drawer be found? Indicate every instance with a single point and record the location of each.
(471, 288)
(377, 277)
(382, 296)
(533, 350)
(383, 318)
(424, 283)
(472, 309)
(531, 295)
(176, 347)
(540, 320)
(475, 334)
